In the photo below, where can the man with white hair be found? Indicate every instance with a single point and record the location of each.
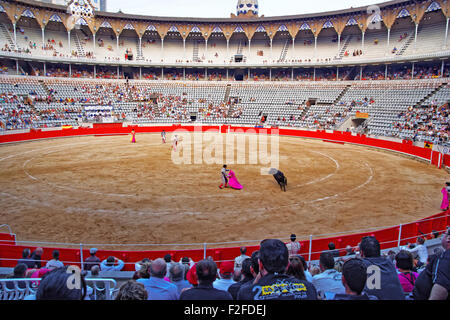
(156, 286)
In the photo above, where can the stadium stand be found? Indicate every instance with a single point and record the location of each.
(321, 73)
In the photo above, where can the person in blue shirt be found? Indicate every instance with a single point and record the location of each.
(110, 264)
(226, 276)
(176, 276)
(329, 281)
(158, 288)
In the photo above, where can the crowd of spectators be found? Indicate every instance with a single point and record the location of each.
(427, 122)
(274, 271)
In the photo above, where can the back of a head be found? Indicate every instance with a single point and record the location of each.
(95, 270)
(293, 237)
(26, 253)
(295, 268)
(20, 270)
(243, 250)
(132, 290)
(206, 271)
(370, 247)
(158, 268)
(168, 258)
(404, 260)
(176, 272)
(55, 285)
(355, 273)
(110, 261)
(255, 261)
(55, 254)
(245, 270)
(420, 240)
(273, 255)
(327, 260)
(331, 246)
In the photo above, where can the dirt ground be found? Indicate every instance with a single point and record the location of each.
(105, 190)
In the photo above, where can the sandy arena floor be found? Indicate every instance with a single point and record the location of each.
(98, 190)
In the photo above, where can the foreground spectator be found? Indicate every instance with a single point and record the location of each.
(54, 286)
(92, 260)
(246, 277)
(295, 268)
(206, 271)
(225, 276)
(19, 272)
(404, 262)
(158, 288)
(112, 264)
(382, 277)
(272, 283)
(354, 277)
(441, 280)
(132, 290)
(329, 281)
(254, 270)
(176, 276)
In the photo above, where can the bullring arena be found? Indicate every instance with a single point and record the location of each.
(106, 190)
(352, 105)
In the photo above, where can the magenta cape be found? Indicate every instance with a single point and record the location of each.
(233, 182)
(444, 204)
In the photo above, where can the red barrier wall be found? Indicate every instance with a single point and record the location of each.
(9, 252)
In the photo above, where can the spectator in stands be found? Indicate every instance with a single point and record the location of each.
(246, 276)
(191, 275)
(239, 259)
(206, 271)
(100, 292)
(420, 249)
(144, 271)
(92, 260)
(254, 270)
(225, 276)
(37, 256)
(382, 277)
(132, 290)
(176, 276)
(139, 264)
(295, 268)
(168, 260)
(349, 251)
(308, 275)
(273, 261)
(404, 262)
(293, 246)
(54, 263)
(30, 263)
(157, 288)
(329, 281)
(54, 286)
(112, 264)
(333, 250)
(19, 272)
(441, 280)
(354, 277)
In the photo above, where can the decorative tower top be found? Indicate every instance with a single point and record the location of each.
(247, 8)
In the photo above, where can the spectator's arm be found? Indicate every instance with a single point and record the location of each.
(120, 265)
(103, 265)
(438, 292)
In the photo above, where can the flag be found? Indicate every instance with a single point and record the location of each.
(428, 145)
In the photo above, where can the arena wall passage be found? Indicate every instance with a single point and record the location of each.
(312, 246)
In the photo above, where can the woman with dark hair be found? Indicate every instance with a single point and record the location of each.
(132, 290)
(65, 283)
(295, 268)
(405, 263)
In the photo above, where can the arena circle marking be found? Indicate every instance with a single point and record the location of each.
(60, 148)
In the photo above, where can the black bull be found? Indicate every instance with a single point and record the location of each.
(281, 179)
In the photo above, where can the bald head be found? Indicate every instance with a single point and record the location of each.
(158, 268)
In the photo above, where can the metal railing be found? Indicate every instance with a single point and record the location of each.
(19, 289)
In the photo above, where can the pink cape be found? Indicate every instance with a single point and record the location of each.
(233, 182)
(444, 204)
